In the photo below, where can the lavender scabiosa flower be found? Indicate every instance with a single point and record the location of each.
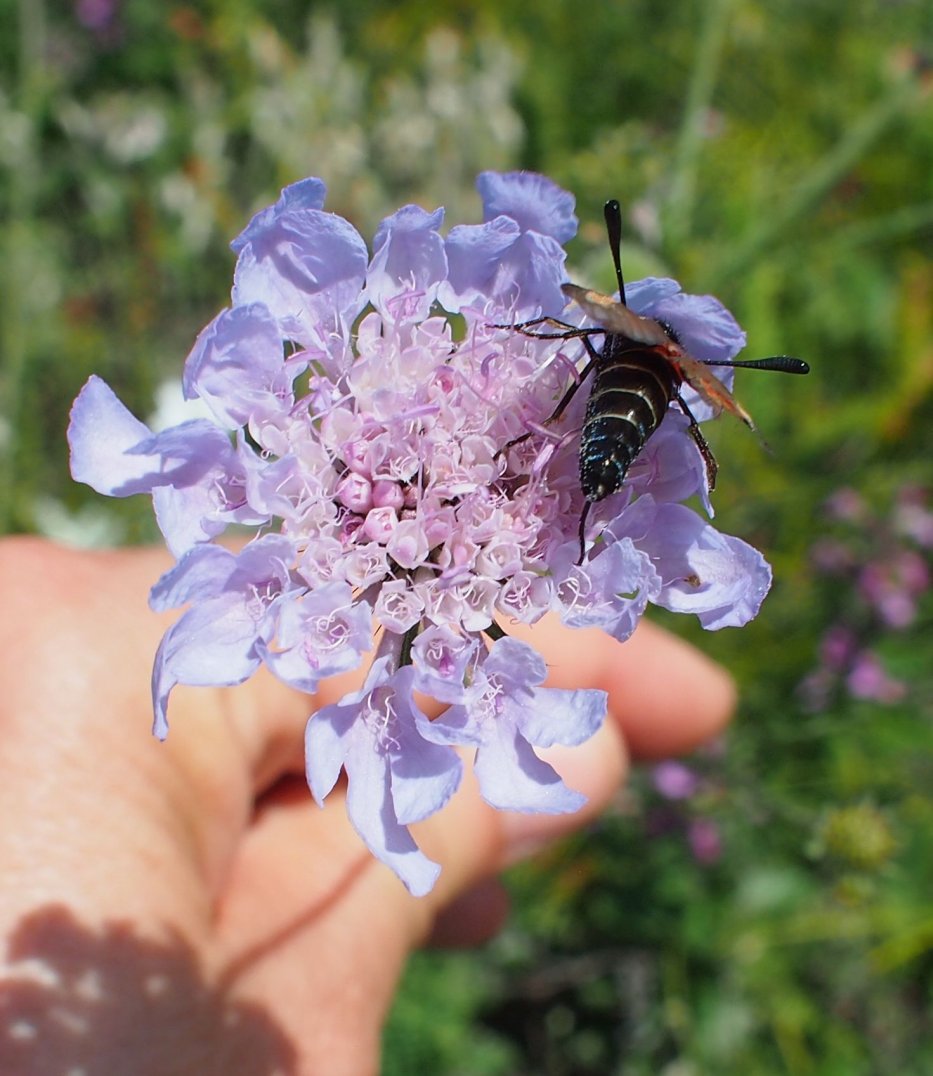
(364, 432)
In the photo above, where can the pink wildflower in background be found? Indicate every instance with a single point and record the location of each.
(705, 840)
(674, 780)
(364, 440)
(878, 562)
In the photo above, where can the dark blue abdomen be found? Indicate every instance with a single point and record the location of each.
(632, 389)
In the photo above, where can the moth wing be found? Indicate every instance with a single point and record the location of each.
(616, 317)
(700, 378)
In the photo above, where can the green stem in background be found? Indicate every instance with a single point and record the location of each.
(825, 174)
(682, 194)
(16, 254)
(907, 220)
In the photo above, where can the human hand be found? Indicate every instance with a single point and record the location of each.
(185, 907)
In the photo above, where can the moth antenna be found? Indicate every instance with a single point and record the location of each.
(779, 364)
(613, 216)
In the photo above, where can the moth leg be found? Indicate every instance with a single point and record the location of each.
(712, 467)
(567, 332)
(587, 505)
(565, 399)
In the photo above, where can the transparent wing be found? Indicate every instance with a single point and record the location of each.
(700, 378)
(616, 317)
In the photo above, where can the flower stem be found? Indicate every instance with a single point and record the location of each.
(408, 639)
(818, 181)
(495, 632)
(682, 193)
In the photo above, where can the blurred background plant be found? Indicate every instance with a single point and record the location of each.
(765, 907)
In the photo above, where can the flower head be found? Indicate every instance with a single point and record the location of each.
(366, 435)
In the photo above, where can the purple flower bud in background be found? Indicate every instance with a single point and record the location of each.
(913, 518)
(674, 780)
(846, 505)
(867, 679)
(705, 840)
(838, 647)
(96, 15)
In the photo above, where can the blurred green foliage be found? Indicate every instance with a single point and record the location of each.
(779, 155)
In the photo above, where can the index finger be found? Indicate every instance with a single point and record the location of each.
(666, 696)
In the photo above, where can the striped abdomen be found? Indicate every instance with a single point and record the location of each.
(632, 389)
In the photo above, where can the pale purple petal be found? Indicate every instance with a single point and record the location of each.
(555, 715)
(398, 607)
(637, 520)
(308, 268)
(520, 271)
(424, 774)
(610, 591)
(209, 570)
(424, 777)
(325, 744)
(671, 467)
(372, 812)
(272, 486)
(529, 277)
(189, 515)
(305, 194)
(266, 559)
(535, 202)
(506, 715)
(203, 572)
(408, 544)
(408, 259)
(512, 777)
(474, 252)
(330, 732)
(212, 644)
(365, 732)
(721, 579)
(216, 640)
(455, 726)
(516, 664)
(702, 324)
(182, 455)
(116, 454)
(236, 366)
(100, 434)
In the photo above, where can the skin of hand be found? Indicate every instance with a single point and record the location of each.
(185, 907)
